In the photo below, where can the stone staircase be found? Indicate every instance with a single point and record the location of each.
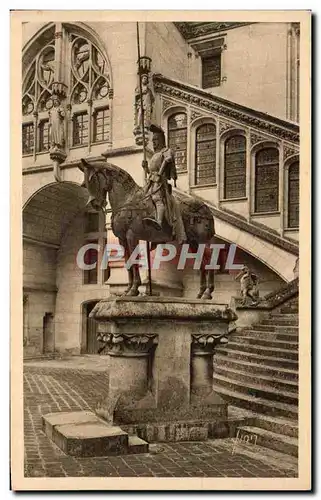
(258, 371)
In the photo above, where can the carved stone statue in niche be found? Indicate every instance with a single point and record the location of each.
(148, 99)
(57, 125)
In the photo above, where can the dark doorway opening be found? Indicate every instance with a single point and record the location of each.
(48, 333)
(91, 344)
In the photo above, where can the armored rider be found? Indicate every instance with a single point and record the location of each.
(162, 169)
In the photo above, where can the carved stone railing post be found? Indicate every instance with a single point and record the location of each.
(202, 364)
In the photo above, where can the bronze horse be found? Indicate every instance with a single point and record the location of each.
(130, 205)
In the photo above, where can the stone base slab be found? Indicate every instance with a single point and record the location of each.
(156, 432)
(84, 434)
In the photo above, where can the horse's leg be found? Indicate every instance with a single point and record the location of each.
(132, 242)
(210, 285)
(202, 282)
(123, 243)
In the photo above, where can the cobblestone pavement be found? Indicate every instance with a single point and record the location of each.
(50, 387)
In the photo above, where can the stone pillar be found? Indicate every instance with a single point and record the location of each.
(202, 364)
(129, 367)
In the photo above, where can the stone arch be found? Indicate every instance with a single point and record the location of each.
(50, 209)
(31, 46)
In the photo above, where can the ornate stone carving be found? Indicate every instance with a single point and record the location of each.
(166, 104)
(284, 130)
(203, 343)
(129, 343)
(255, 138)
(195, 114)
(289, 151)
(225, 126)
(191, 30)
(59, 89)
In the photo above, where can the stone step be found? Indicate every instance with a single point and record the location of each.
(245, 338)
(250, 378)
(254, 368)
(258, 405)
(262, 350)
(278, 425)
(257, 358)
(137, 445)
(292, 337)
(281, 316)
(288, 310)
(275, 328)
(271, 440)
(284, 321)
(256, 390)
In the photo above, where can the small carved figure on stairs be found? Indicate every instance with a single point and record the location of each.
(249, 286)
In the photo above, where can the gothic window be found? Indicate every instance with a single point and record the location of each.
(91, 257)
(89, 93)
(44, 142)
(235, 167)
(79, 76)
(27, 138)
(177, 139)
(101, 125)
(205, 154)
(211, 71)
(267, 180)
(293, 195)
(92, 222)
(80, 129)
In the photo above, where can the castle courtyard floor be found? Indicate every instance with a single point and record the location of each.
(78, 383)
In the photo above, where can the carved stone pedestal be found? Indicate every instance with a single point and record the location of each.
(161, 365)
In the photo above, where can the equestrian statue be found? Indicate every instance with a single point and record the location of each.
(150, 213)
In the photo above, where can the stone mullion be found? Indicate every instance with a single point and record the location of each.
(248, 175)
(218, 165)
(35, 134)
(281, 189)
(190, 165)
(58, 52)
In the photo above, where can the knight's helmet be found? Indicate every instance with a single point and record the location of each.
(155, 129)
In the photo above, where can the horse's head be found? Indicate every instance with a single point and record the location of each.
(97, 183)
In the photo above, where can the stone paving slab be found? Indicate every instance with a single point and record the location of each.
(48, 390)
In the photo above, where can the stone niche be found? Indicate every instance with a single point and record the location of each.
(161, 366)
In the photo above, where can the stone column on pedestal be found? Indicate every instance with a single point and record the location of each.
(202, 364)
(128, 378)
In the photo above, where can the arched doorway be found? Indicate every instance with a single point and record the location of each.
(47, 216)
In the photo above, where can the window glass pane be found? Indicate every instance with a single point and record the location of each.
(177, 139)
(44, 144)
(267, 180)
(92, 222)
(101, 125)
(206, 154)
(211, 71)
(27, 138)
(91, 257)
(80, 129)
(235, 167)
(294, 195)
